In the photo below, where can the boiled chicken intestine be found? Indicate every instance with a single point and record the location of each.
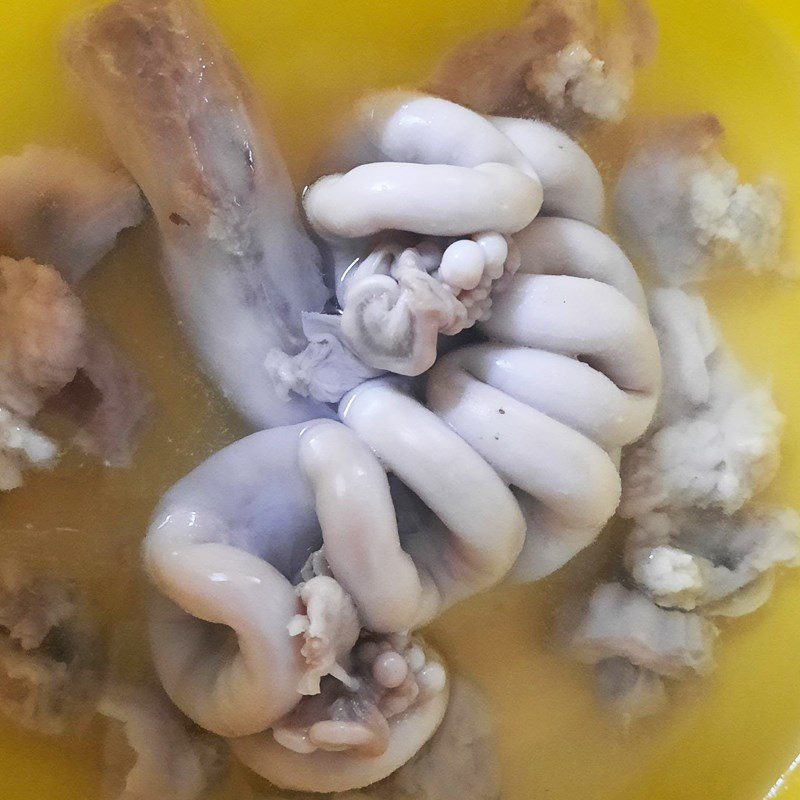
(425, 463)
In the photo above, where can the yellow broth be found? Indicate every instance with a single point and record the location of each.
(727, 738)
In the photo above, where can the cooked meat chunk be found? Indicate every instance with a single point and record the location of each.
(62, 209)
(560, 64)
(680, 206)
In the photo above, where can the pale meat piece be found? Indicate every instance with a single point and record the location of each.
(688, 341)
(700, 559)
(63, 209)
(560, 64)
(35, 690)
(627, 691)
(680, 207)
(21, 448)
(620, 622)
(151, 753)
(107, 401)
(746, 600)
(41, 335)
(51, 356)
(720, 457)
(716, 438)
(49, 657)
(31, 606)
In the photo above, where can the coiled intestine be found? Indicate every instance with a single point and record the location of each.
(296, 560)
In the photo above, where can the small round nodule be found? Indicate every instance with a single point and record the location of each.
(390, 669)
(432, 679)
(463, 264)
(495, 252)
(416, 658)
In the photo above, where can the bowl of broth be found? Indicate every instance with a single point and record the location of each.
(733, 734)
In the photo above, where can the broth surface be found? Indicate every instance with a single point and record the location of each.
(727, 738)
